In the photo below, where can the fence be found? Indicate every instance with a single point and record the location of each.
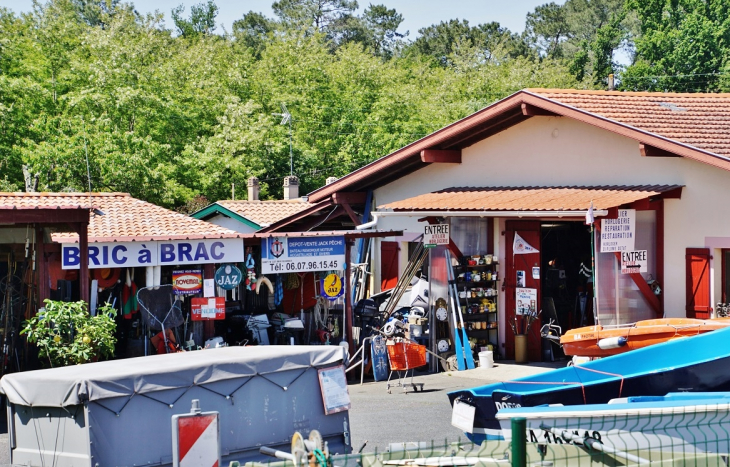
(696, 435)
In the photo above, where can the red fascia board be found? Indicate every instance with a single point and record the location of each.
(142, 238)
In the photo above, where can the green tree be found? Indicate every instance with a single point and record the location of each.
(201, 20)
(684, 45)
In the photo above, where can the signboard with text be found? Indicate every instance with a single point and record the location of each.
(633, 261)
(302, 254)
(619, 234)
(436, 234)
(203, 309)
(187, 282)
(155, 253)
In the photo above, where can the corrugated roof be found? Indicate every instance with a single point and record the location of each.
(699, 120)
(125, 218)
(265, 213)
(562, 198)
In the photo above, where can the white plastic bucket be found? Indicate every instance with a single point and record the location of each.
(486, 359)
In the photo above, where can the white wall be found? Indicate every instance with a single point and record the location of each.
(229, 223)
(552, 151)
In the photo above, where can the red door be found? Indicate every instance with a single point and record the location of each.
(698, 283)
(388, 265)
(529, 231)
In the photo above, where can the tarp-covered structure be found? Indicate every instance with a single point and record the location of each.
(119, 412)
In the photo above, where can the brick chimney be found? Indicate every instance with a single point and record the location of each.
(253, 189)
(291, 187)
(330, 180)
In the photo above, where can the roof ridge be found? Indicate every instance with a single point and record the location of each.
(627, 93)
(50, 194)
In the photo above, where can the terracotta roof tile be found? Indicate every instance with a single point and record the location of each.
(265, 212)
(528, 198)
(699, 120)
(125, 218)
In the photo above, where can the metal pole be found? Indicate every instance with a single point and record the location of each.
(519, 442)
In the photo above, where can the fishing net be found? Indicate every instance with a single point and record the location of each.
(160, 307)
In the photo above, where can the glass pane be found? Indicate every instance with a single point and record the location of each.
(470, 235)
(619, 299)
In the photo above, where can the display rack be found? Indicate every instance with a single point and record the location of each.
(478, 299)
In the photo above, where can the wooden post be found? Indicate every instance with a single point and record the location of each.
(348, 298)
(208, 325)
(83, 230)
(42, 271)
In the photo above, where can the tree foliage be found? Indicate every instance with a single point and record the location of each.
(173, 114)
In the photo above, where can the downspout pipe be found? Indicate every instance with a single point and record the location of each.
(510, 214)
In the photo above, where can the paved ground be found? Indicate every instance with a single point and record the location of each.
(381, 418)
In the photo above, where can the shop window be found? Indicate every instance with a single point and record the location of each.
(470, 234)
(619, 299)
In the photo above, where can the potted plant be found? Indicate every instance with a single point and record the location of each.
(66, 334)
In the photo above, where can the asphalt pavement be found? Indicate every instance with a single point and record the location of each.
(381, 418)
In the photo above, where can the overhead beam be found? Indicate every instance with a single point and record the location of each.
(353, 217)
(529, 110)
(647, 150)
(349, 197)
(447, 156)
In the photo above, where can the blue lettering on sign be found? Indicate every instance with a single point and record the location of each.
(115, 254)
(201, 253)
(71, 256)
(183, 252)
(167, 253)
(213, 253)
(105, 255)
(145, 256)
(93, 253)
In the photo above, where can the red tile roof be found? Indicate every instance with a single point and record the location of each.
(687, 125)
(265, 213)
(699, 120)
(125, 218)
(528, 198)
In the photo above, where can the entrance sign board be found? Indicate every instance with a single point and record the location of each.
(302, 254)
(619, 234)
(633, 261)
(437, 234)
(155, 253)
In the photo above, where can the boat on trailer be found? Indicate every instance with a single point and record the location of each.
(677, 422)
(691, 364)
(603, 341)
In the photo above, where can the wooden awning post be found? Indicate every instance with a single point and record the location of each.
(349, 318)
(83, 230)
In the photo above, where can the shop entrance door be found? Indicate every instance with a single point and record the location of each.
(523, 265)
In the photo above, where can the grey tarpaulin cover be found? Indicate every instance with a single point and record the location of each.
(73, 385)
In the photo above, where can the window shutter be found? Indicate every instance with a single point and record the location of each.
(698, 283)
(388, 265)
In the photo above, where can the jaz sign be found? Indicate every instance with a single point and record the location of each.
(437, 234)
(156, 253)
(228, 277)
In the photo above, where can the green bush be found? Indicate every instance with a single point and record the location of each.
(66, 334)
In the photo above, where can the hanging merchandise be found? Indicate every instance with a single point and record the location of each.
(250, 272)
(292, 281)
(278, 291)
(263, 280)
(129, 298)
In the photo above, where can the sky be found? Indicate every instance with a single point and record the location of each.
(417, 13)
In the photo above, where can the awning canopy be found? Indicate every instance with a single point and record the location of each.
(562, 199)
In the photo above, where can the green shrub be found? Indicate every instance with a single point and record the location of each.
(66, 334)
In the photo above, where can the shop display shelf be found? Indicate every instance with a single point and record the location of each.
(462, 284)
(492, 265)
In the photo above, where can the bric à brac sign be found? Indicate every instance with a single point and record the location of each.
(155, 253)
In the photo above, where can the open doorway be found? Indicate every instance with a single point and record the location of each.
(567, 286)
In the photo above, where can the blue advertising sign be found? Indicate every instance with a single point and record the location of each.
(302, 254)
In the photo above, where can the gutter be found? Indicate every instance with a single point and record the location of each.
(376, 215)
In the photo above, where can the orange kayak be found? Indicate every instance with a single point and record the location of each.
(602, 341)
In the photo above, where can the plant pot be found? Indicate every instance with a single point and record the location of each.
(520, 348)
